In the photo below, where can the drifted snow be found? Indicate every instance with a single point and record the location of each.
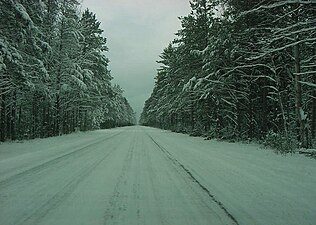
(139, 175)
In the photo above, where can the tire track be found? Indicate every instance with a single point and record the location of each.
(191, 176)
(60, 196)
(117, 203)
(137, 187)
(39, 168)
(151, 179)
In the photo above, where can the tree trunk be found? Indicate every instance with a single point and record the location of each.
(13, 118)
(298, 106)
(8, 121)
(314, 110)
(58, 117)
(264, 111)
(2, 119)
(21, 130)
(302, 137)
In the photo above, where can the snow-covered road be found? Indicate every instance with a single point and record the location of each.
(146, 176)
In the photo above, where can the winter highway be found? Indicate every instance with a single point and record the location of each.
(145, 176)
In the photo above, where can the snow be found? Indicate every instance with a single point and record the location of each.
(189, 85)
(22, 11)
(306, 40)
(308, 83)
(199, 52)
(139, 175)
(42, 4)
(2, 65)
(302, 114)
(278, 4)
(79, 82)
(198, 83)
(256, 185)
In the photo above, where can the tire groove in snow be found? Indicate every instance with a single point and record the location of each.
(15, 178)
(151, 179)
(116, 203)
(187, 171)
(65, 191)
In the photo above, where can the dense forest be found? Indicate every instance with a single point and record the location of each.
(240, 70)
(54, 76)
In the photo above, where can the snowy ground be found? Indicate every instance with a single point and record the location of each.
(146, 176)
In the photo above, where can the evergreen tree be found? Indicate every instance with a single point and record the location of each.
(240, 69)
(54, 74)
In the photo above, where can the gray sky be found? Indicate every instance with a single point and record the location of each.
(137, 31)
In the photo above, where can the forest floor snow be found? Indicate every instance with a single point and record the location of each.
(146, 176)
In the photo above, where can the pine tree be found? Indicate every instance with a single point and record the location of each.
(244, 69)
(54, 74)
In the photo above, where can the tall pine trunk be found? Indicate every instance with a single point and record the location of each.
(13, 118)
(2, 118)
(314, 110)
(298, 88)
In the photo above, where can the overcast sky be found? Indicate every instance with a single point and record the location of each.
(137, 31)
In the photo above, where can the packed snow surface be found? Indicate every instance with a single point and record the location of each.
(146, 176)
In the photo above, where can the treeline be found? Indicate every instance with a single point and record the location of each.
(240, 70)
(54, 76)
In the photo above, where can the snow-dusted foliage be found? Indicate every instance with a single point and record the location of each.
(240, 74)
(54, 76)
